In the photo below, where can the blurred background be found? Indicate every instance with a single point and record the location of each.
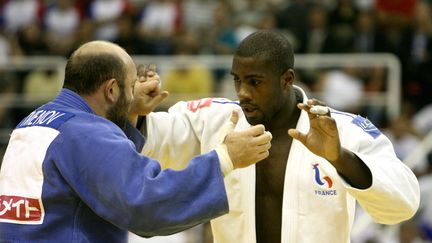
(371, 57)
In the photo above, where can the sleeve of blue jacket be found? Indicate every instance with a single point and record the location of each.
(130, 190)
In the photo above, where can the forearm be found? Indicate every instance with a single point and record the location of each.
(353, 170)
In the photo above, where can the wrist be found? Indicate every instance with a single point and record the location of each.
(225, 161)
(133, 119)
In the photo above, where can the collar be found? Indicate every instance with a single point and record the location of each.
(70, 99)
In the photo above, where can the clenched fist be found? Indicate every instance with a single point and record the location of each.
(147, 93)
(249, 146)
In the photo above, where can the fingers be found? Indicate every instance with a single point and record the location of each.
(319, 110)
(150, 71)
(234, 117)
(314, 101)
(147, 73)
(255, 130)
(297, 135)
(306, 108)
(262, 139)
(151, 67)
(141, 70)
(156, 100)
(314, 108)
(265, 146)
(262, 155)
(329, 125)
(148, 87)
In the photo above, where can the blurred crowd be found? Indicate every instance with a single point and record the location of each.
(215, 27)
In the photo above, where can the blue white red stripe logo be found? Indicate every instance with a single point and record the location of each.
(326, 180)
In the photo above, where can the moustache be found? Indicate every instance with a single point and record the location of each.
(248, 106)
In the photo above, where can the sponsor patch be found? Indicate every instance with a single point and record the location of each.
(22, 210)
(194, 105)
(367, 126)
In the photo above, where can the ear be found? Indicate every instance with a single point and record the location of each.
(287, 78)
(111, 90)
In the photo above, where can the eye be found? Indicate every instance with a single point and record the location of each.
(236, 81)
(254, 82)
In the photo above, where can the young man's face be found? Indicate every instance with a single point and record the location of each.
(258, 88)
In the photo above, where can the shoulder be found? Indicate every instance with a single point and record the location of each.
(88, 127)
(206, 105)
(354, 123)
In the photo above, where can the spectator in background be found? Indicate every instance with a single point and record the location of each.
(32, 41)
(126, 37)
(18, 14)
(104, 15)
(341, 20)
(85, 33)
(61, 21)
(416, 57)
(8, 47)
(422, 119)
(222, 36)
(42, 85)
(8, 92)
(197, 15)
(374, 79)
(393, 18)
(8, 89)
(366, 38)
(316, 37)
(189, 80)
(341, 88)
(395, 14)
(425, 214)
(158, 24)
(248, 17)
(293, 18)
(222, 39)
(404, 137)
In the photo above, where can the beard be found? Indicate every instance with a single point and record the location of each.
(118, 113)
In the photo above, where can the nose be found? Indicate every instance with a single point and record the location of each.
(243, 92)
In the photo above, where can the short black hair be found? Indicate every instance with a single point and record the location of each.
(268, 44)
(85, 73)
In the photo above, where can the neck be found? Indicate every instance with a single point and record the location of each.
(288, 115)
(94, 102)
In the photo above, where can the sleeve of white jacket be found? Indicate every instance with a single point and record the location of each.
(171, 138)
(394, 195)
(189, 128)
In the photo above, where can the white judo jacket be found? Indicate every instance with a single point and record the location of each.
(318, 205)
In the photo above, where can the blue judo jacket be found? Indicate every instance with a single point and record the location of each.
(69, 175)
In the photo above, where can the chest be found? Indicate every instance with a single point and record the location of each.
(270, 173)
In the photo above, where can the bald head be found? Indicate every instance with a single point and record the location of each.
(101, 47)
(92, 64)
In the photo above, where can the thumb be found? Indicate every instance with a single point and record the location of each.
(234, 117)
(297, 135)
(157, 99)
(229, 126)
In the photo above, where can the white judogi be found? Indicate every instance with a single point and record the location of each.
(318, 205)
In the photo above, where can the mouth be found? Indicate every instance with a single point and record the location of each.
(249, 110)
